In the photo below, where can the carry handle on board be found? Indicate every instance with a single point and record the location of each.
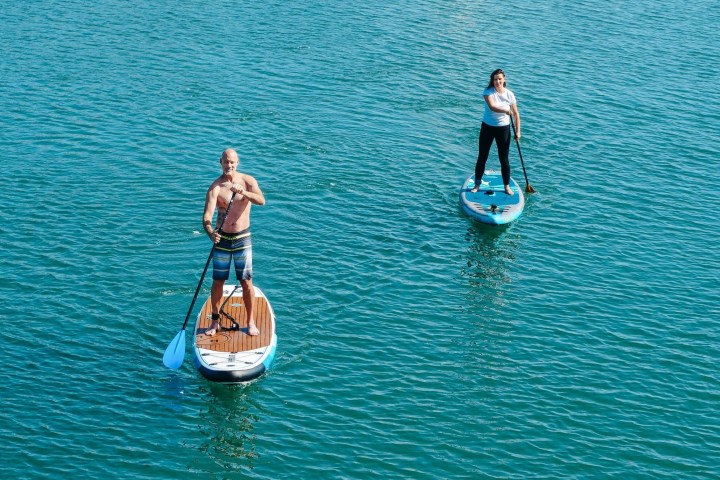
(175, 351)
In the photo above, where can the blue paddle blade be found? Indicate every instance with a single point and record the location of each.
(175, 352)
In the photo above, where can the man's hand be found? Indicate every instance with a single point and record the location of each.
(237, 188)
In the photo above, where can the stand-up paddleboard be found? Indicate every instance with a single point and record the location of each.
(490, 204)
(231, 355)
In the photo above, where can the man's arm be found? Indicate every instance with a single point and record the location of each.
(210, 203)
(251, 191)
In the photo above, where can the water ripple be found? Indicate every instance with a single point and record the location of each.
(578, 342)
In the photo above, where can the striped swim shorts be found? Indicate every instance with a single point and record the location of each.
(233, 247)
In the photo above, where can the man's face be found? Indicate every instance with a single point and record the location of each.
(229, 164)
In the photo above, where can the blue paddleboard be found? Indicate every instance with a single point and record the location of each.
(490, 204)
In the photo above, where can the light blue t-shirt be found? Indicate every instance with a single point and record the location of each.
(505, 99)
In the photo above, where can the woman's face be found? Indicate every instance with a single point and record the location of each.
(498, 80)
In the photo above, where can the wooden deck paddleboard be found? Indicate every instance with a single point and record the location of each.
(490, 204)
(231, 355)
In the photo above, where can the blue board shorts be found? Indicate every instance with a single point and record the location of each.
(233, 247)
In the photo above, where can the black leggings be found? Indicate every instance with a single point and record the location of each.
(501, 135)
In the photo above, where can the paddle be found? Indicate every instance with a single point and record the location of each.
(175, 351)
(528, 187)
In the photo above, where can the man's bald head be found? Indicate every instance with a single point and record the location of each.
(230, 154)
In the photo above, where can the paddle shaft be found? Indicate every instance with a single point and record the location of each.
(517, 142)
(207, 264)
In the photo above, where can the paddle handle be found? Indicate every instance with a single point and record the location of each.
(207, 264)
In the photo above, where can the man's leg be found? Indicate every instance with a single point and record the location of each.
(221, 272)
(216, 296)
(249, 301)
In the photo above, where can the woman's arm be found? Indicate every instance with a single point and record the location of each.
(493, 106)
(516, 114)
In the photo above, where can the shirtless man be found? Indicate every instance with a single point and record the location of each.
(233, 241)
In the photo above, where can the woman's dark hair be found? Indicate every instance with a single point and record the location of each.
(492, 76)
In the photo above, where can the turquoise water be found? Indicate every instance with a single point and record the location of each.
(579, 342)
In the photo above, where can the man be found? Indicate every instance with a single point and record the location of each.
(232, 243)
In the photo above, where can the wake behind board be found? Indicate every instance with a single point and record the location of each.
(231, 355)
(490, 204)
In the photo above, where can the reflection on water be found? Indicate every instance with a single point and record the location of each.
(490, 250)
(175, 391)
(486, 357)
(228, 426)
(486, 349)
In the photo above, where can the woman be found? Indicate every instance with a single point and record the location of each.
(500, 103)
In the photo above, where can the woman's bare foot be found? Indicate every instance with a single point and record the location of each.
(475, 189)
(508, 190)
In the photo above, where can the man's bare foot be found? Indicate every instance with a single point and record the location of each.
(508, 190)
(212, 329)
(252, 329)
